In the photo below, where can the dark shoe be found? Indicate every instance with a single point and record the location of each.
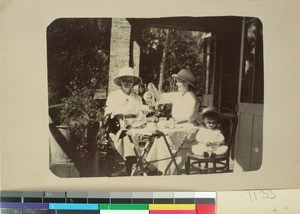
(130, 160)
(213, 155)
(155, 172)
(206, 154)
(150, 169)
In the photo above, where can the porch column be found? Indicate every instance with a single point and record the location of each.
(136, 57)
(119, 49)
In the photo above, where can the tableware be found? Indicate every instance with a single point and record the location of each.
(162, 122)
(170, 123)
(151, 126)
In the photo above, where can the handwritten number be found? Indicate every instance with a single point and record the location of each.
(273, 196)
(265, 195)
(255, 196)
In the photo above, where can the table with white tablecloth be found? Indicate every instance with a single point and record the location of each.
(167, 147)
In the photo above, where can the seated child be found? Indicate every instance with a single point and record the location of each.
(209, 137)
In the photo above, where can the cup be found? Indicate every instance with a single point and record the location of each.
(171, 123)
(151, 126)
(150, 120)
(162, 122)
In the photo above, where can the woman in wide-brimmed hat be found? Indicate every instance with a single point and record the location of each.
(185, 102)
(185, 109)
(125, 103)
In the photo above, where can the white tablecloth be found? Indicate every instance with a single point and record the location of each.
(175, 137)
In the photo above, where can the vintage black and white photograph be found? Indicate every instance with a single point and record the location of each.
(155, 96)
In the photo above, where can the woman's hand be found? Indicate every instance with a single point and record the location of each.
(151, 87)
(149, 98)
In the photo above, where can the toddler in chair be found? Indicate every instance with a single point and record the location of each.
(209, 137)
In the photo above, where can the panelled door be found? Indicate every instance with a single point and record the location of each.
(249, 136)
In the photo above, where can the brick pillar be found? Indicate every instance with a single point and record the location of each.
(136, 56)
(119, 49)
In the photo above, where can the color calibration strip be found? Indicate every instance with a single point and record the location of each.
(111, 202)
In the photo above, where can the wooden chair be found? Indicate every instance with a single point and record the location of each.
(216, 163)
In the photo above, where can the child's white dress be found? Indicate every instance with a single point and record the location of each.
(209, 141)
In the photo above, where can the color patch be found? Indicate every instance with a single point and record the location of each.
(33, 200)
(205, 195)
(204, 201)
(55, 194)
(120, 200)
(184, 201)
(206, 208)
(184, 194)
(142, 195)
(61, 206)
(173, 212)
(74, 212)
(172, 207)
(123, 206)
(124, 212)
(163, 200)
(55, 200)
(11, 199)
(142, 200)
(11, 205)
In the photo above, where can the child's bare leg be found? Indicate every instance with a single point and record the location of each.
(202, 150)
(221, 150)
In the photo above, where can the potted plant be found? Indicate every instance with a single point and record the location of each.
(81, 114)
(79, 117)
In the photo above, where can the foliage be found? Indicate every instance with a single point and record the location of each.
(81, 113)
(185, 50)
(78, 59)
(78, 50)
(79, 110)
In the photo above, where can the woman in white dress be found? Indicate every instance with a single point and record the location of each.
(125, 103)
(185, 109)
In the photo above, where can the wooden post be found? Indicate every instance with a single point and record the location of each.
(163, 61)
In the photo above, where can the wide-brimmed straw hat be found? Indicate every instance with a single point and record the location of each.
(207, 110)
(187, 76)
(127, 72)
